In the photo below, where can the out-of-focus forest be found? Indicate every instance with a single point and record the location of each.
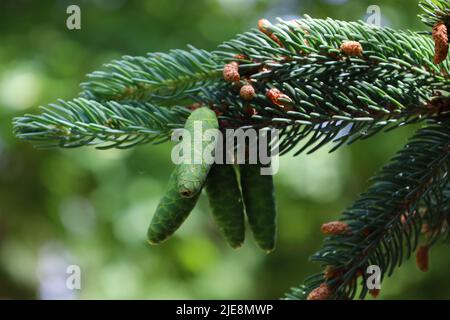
(91, 208)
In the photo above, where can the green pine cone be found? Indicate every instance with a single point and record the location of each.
(192, 176)
(259, 200)
(171, 212)
(226, 204)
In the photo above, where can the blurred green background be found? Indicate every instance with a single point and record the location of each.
(91, 208)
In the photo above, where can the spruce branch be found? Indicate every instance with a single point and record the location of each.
(313, 47)
(308, 85)
(347, 115)
(81, 122)
(435, 11)
(318, 81)
(437, 15)
(384, 224)
(301, 77)
(159, 77)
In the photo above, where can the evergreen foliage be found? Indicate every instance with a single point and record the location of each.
(320, 82)
(386, 222)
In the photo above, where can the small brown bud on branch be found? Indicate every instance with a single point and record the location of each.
(274, 95)
(323, 292)
(231, 72)
(247, 92)
(422, 258)
(264, 26)
(440, 36)
(352, 48)
(335, 228)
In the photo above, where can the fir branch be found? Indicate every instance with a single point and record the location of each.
(435, 11)
(435, 210)
(81, 122)
(316, 114)
(386, 221)
(158, 77)
(311, 48)
(322, 94)
(320, 82)
(322, 89)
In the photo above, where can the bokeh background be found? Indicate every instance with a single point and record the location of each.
(91, 208)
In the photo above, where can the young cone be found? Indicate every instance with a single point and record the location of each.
(259, 200)
(192, 176)
(171, 212)
(226, 203)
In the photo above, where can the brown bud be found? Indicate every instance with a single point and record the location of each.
(274, 96)
(352, 48)
(422, 258)
(374, 293)
(334, 228)
(440, 36)
(264, 25)
(323, 292)
(247, 92)
(231, 72)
